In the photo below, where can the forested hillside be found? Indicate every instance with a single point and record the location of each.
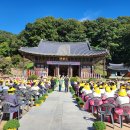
(111, 34)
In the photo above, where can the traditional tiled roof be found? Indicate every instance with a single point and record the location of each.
(63, 49)
(117, 67)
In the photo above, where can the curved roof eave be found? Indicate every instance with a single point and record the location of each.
(89, 55)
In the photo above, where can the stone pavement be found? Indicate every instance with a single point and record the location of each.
(58, 112)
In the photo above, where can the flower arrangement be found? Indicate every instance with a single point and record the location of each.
(74, 96)
(81, 103)
(78, 99)
(11, 125)
(50, 91)
(37, 102)
(42, 98)
(45, 95)
(99, 125)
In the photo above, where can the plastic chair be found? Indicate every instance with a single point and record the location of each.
(95, 102)
(24, 100)
(123, 110)
(90, 95)
(6, 108)
(110, 100)
(107, 109)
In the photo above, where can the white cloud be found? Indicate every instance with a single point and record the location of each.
(85, 18)
(90, 15)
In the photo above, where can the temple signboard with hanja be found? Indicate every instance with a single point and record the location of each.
(64, 58)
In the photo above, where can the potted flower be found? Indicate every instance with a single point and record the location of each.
(11, 125)
(37, 102)
(78, 99)
(99, 125)
(81, 103)
(46, 95)
(42, 98)
(74, 96)
(50, 91)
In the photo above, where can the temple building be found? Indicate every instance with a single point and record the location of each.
(117, 70)
(63, 58)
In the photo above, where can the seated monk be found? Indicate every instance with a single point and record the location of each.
(122, 97)
(97, 92)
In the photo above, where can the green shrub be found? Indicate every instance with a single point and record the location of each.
(80, 102)
(71, 90)
(92, 79)
(74, 79)
(74, 96)
(11, 124)
(99, 125)
(42, 98)
(29, 65)
(32, 77)
(50, 91)
(45, 94)
(55, 80)
(38, 102)
(78, 99)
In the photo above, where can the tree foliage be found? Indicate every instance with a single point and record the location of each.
(111, 34)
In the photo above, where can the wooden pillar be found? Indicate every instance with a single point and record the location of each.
(54, 71)
(79, 71)
(91, 69)
(47, 70)
(58, 70)
(70, 71)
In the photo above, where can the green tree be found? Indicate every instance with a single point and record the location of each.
(6, 64)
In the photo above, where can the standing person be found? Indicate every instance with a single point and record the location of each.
(77, 86)
(52, 83)
(60, 83)
(66, 83)
(1, 87)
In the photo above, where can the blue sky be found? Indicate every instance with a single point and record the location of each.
(15, 14)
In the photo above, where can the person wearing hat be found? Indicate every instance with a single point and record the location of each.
(122, 97)
(52, 83)
(87, 89)
(12, 99)
(5, 87)
(114, 88)
(22, 86)
(1, 88)
(128, 91)
(47, 85)
(35, 87)
(66, 83)
(101, 87)
(97, 92)
(108, 92)
(12, 89)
